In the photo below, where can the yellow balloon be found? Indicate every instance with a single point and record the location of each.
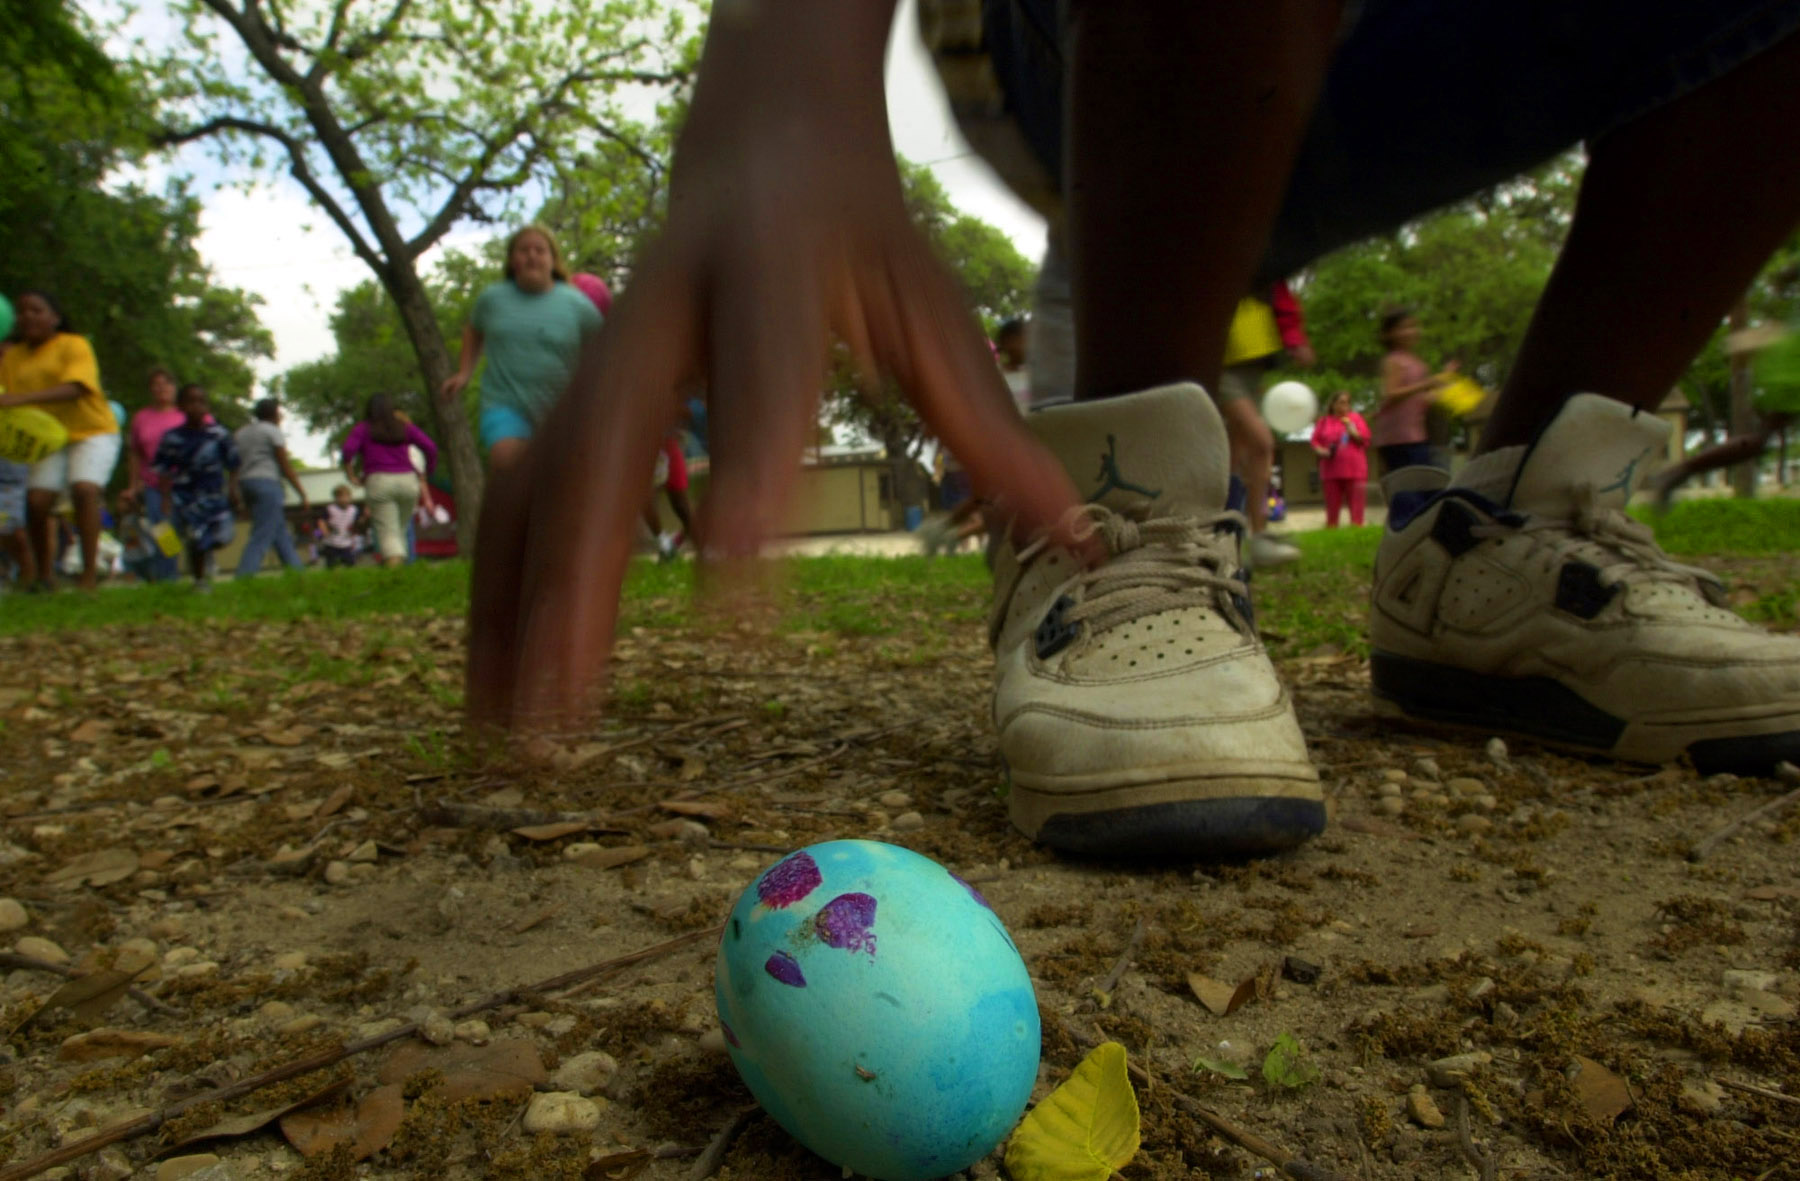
(27, 434)
(1460, 396)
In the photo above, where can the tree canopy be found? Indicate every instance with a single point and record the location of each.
(120, 258)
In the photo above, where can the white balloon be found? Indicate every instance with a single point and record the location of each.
(1289, 406)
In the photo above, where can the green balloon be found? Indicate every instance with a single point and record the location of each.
(6, 317)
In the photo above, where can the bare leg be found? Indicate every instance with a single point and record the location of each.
(1677, 213)
(87, 525)
(18, 544)
(1205, 102)
(684, 512)
(1252, 457)
(40, 517)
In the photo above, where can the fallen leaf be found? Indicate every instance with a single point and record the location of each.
(551, 832)
(1771, 893)
(367, 1128)
(113, 1043)
(1222, 1066)
(156, 858)
(613, 857)
(701, 809)
(100, 868)
(1220, 998)
(334, 801)
(92, 730)
(510, 1067)
(1425, 931)
(292, 736)
(541, 916)
(1085, 1130)
(87, 997)
(256, 1121)
(1603, 1094)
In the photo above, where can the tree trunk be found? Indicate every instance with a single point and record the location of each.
(450, 426)
(1743, 413)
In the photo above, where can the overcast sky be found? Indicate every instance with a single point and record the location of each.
(270, 240)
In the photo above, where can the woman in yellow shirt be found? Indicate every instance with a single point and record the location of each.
(53, 369)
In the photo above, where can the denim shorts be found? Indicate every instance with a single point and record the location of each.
(1426, 102)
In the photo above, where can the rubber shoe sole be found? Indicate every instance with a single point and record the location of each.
(1198, 824)
(1550, 712)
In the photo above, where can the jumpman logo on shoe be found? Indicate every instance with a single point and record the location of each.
(1626, 475)
(1112, 481)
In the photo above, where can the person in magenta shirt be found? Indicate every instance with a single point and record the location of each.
(142, 484)
(378, 455)
(1408, 388)
(1341, 438)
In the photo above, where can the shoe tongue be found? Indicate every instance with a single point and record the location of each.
(1164, 448)
(1592, 440)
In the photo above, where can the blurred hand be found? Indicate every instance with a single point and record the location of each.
(1303, 357)
(454, 385)
(786, 228)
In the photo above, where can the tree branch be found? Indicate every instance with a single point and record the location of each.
(363, 46)
(297, 168)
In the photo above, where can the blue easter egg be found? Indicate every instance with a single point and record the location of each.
(878, 1010)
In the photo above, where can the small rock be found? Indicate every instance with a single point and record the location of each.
(1702, 1096)
(362, 871)
(1465, 786)
(1481, 988)
(305, 1023)
(337, 873)
(13, 915)
(167, 927)
(289, 961)
(1743, 979)
(559, 1111)
(110, 1165)
(438, 1029)
(177, 1167)
(134, 955)
(275, 1012)
(696, 868)
(536, 1019)
(1427, 768)
(580, 849)
(1472, 825)
(895, 799)
(908, 822)
(1388, 791)
(1449, 1072)
(1300, 971)
(1391, 806)
(1422, 1108)
(365, 852)
(476, 1033)
(1394, 775)
(1488, 803)
(40, 948)
(587, 1072)
(197, 969)
(1767, 1003)
(713, 1042)
(1496, 751)
(177, 956)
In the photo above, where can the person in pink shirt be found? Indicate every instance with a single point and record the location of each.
(143, 487)
(1341, 438)
(1408, 388)
(378, 455)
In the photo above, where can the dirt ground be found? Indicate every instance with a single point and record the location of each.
(279, 830)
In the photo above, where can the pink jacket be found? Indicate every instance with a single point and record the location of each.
(1350, 453)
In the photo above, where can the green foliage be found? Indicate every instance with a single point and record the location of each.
(1287, 1067)
(1729, 526)
(1472, 273)
(120, 257)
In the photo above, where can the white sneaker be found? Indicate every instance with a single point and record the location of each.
(1523, 600)
(1265, 551)
(1138, 712)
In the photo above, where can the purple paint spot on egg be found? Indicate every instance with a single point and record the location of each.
(973, 892)
(786, 969)
(729, 1036)
(846, 921)
(789, 881)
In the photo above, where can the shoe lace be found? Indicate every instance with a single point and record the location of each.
(1633, 543)
(1153, 564)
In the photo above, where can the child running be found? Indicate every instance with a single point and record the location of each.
(341, 518)
(200, 462)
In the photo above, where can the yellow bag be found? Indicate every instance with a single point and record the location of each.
(167, 540)
(1254, 332)
(1459, 396)
(27, 434)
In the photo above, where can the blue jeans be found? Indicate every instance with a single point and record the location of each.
(267, 526)
(161, 567)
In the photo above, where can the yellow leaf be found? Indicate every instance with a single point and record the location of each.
(1085, 1130)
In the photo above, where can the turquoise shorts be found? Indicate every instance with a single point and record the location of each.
(499, 423)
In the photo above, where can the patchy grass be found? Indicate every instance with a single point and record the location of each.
(1727, 526)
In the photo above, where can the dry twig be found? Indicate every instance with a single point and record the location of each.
(131, 1129)
(1763, 1092)
(1482, 1161)
(1706, 845)
(11, 959)
(709, 1161)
